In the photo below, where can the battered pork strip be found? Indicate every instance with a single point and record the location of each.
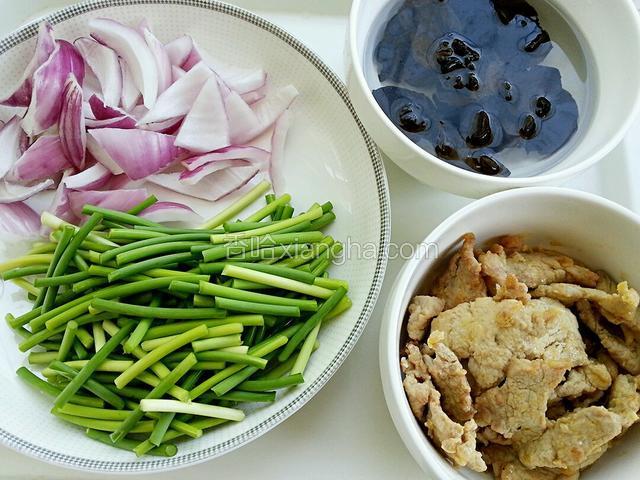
(612, 367)
(585, 379)
(415, 374)
(490, 334)
(486, 435)
(606, 283)
(512, 289)
(512, 243)
(620, 308)
(574, 441)
(533, 268)
(421, 310)
(451, 379)
(625, 399)
(517, 408)
(506, 466)
(627, 356)
(461, 282)
(457, 441)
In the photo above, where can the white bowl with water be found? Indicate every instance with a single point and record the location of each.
(596, 49)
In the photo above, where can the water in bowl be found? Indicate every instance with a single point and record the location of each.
(564, 58)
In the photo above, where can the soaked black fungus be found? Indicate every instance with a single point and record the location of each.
(543, 107)
(480, 134)
(534, 42)
(528, 128)
(472, 83)
(412, 112)
(410, 118)
(463, 75)
(450, 64)
(507, 10)
(446, 152)
(506, 91)
(484, 164)
(447, 141)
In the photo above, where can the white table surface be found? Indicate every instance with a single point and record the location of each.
(345, 432)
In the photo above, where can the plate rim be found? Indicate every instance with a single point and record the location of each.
(12, 441)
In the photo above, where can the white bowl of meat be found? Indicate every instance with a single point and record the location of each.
(517, 351)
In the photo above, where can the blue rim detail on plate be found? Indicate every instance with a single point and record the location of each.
(29, 31)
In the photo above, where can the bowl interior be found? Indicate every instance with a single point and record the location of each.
(556, 218)
(328, 157)
(584, 60)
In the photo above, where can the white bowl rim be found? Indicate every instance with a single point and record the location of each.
(389, 349)
(41, 453)
(493, 182)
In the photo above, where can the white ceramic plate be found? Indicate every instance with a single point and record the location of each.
(328, 157)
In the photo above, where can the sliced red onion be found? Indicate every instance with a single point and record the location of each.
(240, 80)
(254, 156)
(103, 111)
(12, 140)
(25, 142)
(7, 113)
(106, 116)
(59, 205)
(212, 187)
(192, 177)
(165, 212)
(193, 58)
(268, 110)
(48, 86)
(178, 98)
(277, 150)
(179, 50)
(262, 141)
(71, 127)
(90, 87)
(121, 200)
(45, 45)
(130, 93)
(44, 159)
(132, 48)
(177, 73)
(86, 108)
(138, 111)
(14, 192)
(163, 63)
(205, 128)
(119, 122)
(169, 127)
(117, 182)
(138, 153)
(101, 155)
(240, 116)
(19, 219)
(92, 178)
(254, 96)
(103, 63)
(247, 122)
